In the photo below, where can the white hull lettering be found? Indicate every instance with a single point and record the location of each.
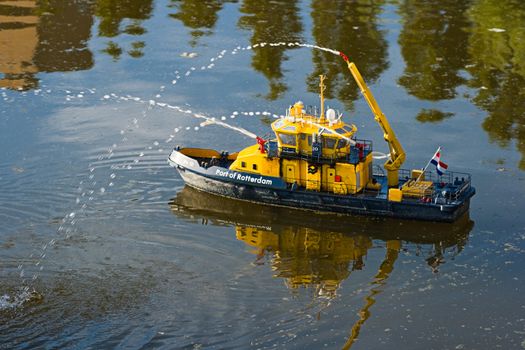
(244, 177)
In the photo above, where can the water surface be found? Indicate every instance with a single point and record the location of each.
(102, 246)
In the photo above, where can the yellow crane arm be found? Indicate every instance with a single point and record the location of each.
(397, 154)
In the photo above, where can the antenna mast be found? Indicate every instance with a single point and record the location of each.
(322, 88)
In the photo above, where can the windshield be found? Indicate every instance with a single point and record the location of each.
(287, 139)
(329, 142)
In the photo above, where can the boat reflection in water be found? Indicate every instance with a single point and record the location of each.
(320, 251)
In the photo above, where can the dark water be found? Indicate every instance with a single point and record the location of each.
(101, 246)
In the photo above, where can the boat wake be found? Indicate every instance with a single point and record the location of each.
(19, 298)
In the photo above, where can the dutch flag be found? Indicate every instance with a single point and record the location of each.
(440, 166)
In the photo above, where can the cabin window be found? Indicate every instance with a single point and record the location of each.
(243, 164)
(288, 139)
(329, 142)
(309, 140)
(303, 137)
(254, 166)
(341, 143)
(341, 131)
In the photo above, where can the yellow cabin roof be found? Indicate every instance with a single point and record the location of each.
(299, 122)
(310, 125)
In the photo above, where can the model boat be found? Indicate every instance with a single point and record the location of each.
(316, 162)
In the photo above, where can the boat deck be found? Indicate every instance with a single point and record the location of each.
(445, 189)
(209, 162)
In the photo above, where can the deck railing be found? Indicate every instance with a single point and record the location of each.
(357, 153)
(449, 186)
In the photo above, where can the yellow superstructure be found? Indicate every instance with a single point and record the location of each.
(315, 153)
(319, 152)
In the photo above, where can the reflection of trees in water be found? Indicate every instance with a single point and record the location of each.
(113, 13)
(200, 16)
(53, 35)
(64, 29)
(273, 21)
(498, 69)
(432, 115)
(433, 41)
(439, 39)
(47, 36)
(18, 40)
(351, 27)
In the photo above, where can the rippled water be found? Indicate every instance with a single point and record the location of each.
(102, 246)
